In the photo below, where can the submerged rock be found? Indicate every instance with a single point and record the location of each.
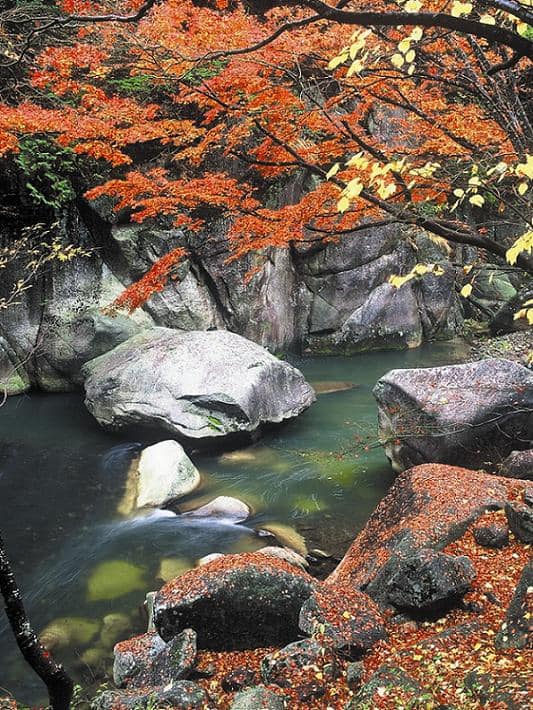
(197, 385)
(221, 508)
(468, 415)
(115, 627)
(286, 536)
(69, 631)
(113, 579)
(236, 602)
(165, 473)
(171, 567)
(284, 553)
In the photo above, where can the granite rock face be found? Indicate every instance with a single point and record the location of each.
(471, 415)
(195, 385)
(331, 298)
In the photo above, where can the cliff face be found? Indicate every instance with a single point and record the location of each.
(316, 298)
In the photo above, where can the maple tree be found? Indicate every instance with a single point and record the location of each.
(412, 112)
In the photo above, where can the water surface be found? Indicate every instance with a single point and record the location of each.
(62, 478)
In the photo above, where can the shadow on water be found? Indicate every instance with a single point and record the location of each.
(62, 478)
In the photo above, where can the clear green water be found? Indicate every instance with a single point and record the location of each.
(61, 479)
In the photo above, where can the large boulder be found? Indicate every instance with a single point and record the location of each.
(234, 602)
(469, 415)
(515, 632)
(197, 385)
(427, 507)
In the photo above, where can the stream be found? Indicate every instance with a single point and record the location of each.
(84, 571)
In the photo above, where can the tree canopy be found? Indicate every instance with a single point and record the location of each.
(413, 112)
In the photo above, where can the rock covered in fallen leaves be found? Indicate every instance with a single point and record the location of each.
(235, 602)
(427, 507)
(384, 682)
(494, 535)
(182, 694)
(299, 663)
(429, 580)
(147, 660)
(467, 414)
(258, 698)
(499, 689)
(515, 631)
(520, 519)
(342, 618)
(519, 464)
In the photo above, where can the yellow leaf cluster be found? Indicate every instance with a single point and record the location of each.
(526, 312)
(417, 271)
(522, 244)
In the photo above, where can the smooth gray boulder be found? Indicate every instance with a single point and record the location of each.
(165, 474)
(470, 415)
(196, 385)
(221, 508)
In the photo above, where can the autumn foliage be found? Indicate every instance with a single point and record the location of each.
(408, 124)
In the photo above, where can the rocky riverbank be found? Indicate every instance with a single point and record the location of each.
(429, 606)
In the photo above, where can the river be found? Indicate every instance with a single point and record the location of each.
(62, 478)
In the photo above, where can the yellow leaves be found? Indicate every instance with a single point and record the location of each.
(487, 19)
(525, 312)
(461, 8)
(386, 190)
(338, 60)
(466, 290)
(357, 161)
(410, 56)
(397, 61)
(477, 200)
(404, 45)
(459, 192)
(412, 6)
(343, 204)
(522, 244)
(416, 34)
(522, 188)
(353, 188)
(333, 171)
(526, 168)
(417, 271)
(356, 67)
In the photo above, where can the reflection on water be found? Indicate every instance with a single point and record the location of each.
(61, 480)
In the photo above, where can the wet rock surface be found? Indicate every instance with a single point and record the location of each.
(237, 601)
(515, 631)
(183, 694)
(196, 385)
(471, 415)
(519, 464)
(428, 581)
(520, 520)
(495, 536)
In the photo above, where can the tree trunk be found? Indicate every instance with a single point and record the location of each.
(58, 683)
